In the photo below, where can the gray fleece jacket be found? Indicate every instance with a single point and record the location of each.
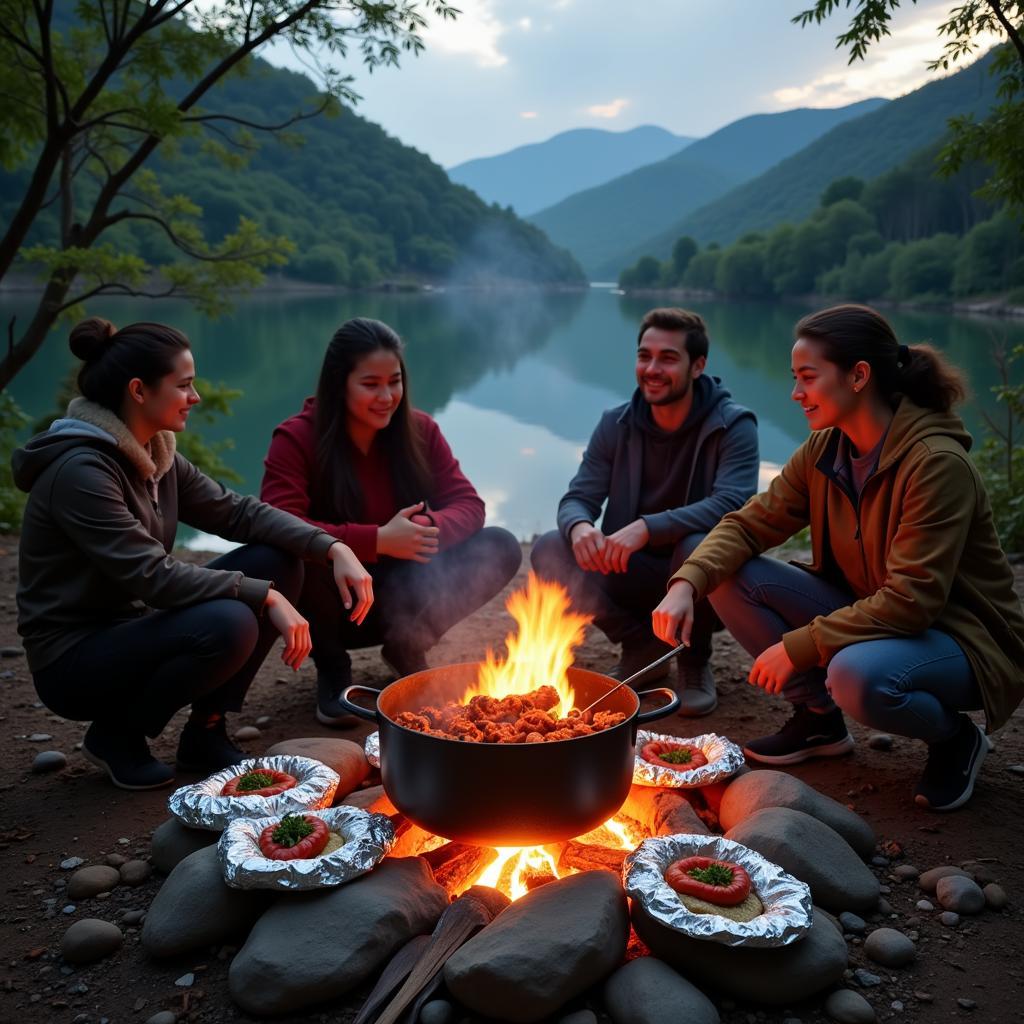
(720, 477)
(100, 522)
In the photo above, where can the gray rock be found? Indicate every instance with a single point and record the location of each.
(961, 895)
(91, 881)
(132, 918)
(851, 923)
(49, 761)
(925, 905)
(995, 897)
(69, 909)
(966, 1004)
(39, 737)
(115, 860)
(930, 879)
(11, 652)
(579, 1017)
(186, 980)
(173, 842)
(885, 907)
(879, 861)
(89, 940)
(135, 872)
(163, 1017)
(195, 908)
(848, 1007)
(923, 997)
(780, 977)
(71, 863)
(880, 741)
(982, 873)
(906, 872)
(890, 948)
(648, 991)
(344, 756)
(949, 919)
(766, 788)
(811, 851)
(247, 732)
(548, 947)
(866, 979)
(263, 721)
(437, 1011)
(287, 963)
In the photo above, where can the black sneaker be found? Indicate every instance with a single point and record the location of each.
(638, 655)
(404, 660)
(206, 748)
(329, 684)
(953, 765)
(125, 758)
(804, 736)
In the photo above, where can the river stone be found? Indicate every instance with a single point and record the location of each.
(437, 1011)
(309, 947)
(949, 919)
(890, 948)
(766, 788)
(195, 908)
(848, 1007)
(344, 756)
(89, 940)
(852, 923)
(906, 872)
(135, 872)
(49, 761)
(930, 879)
(546, 948)
(961, 895)
(648, 991)
(247, 732)
(780, 976)
(995, 897)
(173, 842)
(93, 880)
(664, 812)
(811, 851)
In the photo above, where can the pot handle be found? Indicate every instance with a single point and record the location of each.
(666, 709)
(346, 702)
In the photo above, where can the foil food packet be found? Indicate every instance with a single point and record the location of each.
(202, 805)
(787, 901)
(724, 758)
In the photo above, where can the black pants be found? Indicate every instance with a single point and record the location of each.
(415, 603)
(135, 675)
(621, 602)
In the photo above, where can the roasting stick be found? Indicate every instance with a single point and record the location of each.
(635, 676)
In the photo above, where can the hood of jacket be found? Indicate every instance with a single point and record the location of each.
(709, 395)
(87, 423)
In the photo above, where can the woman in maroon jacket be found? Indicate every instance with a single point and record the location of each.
(359, 462)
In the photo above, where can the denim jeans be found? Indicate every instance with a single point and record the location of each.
(914, 686)
(621, 603)
(135, 675)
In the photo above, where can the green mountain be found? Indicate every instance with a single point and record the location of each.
(361, 207)
(599, 224)
(531, 178)
(864, 148)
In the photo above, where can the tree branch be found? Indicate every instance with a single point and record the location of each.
(178, 242)
(1010, 30)
(294, 119)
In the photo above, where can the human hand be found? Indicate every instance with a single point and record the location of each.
(672, 620)
(772, 669)
(351, 577)
(622, 543)
(401, 537)
(292, 626)
(588, 548)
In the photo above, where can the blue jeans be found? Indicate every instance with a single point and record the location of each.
(914, 686)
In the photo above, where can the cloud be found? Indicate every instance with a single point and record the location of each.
(474, 33)
(608, 110)
(528, 115)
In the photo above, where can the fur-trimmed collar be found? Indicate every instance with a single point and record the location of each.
(151, 461)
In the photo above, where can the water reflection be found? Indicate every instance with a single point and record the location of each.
(517, 380)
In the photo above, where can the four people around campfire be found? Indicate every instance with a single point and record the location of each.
(118, 631)
(906, 618)
(667, 465)
(362, 464)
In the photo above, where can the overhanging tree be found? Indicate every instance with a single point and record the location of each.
(86, 100)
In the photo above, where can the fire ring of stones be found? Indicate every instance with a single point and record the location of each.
(568, 939)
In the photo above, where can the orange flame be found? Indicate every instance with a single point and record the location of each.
(542, 650)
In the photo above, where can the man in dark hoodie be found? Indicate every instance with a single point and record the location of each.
(667, 465)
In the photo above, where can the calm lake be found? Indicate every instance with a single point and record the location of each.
(517, 380)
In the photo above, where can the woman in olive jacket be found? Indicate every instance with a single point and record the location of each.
(118, 632)
(906, 618)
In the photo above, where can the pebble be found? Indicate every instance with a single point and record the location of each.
(966, 1004)
(1017, 769)
(437, 1011)
(995, 897)
(262, 722)
(49, 761)
(889, 947)
(852, 923)
(949, 919)
(89, 940)
(132, 918)
(186, 980)
(848, 1007)
(879, 861)
(115, 860)
(124, 841)
(865, 978)
(135, 872)
(39, 737)
(69, 909)
(906, 872)
(923, 997)
(248, 732)
(960, 894)
(926, 905)
(930, 879)
(880, 741)
(885, 907)
(71, 863)
(163, 1017)
(11, 652)
(92, 880)
(896, 1005)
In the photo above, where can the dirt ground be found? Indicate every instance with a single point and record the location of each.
(77, 813)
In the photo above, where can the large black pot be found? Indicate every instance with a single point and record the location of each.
(494, 794)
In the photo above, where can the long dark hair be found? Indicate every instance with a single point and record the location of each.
(112, 357)
(336, 491)
(850, 333)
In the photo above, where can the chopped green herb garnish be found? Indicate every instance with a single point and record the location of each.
(254, 780)
(713, 874)
(293, 829)
(681, 756)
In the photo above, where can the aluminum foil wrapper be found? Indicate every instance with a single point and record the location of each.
(368, 838)
(202, 806)
(724, 759)
(372, 749)
(787, 900)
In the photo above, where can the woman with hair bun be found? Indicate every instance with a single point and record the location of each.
(119, 632)
(361, 463)
(906, 618)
